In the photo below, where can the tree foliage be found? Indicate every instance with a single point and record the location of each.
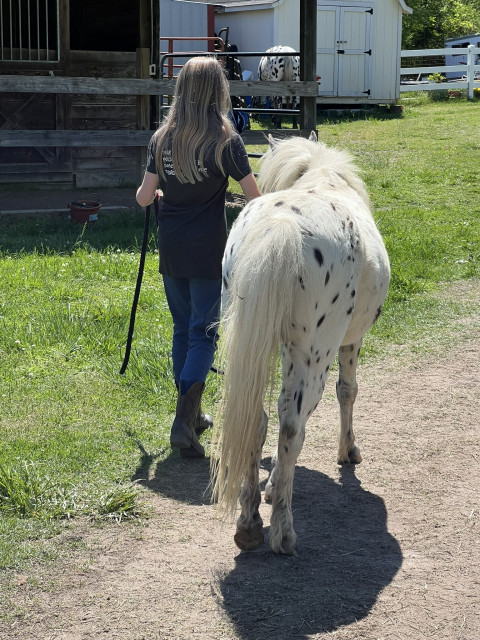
(434, 21)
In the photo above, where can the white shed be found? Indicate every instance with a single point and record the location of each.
(358, 42)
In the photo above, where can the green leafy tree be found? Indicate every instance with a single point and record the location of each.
(434, 21)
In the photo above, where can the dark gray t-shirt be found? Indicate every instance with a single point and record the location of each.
(192, 229)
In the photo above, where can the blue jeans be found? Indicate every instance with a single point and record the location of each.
(195, 306)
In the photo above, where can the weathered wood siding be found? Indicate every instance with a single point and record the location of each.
(96, 166)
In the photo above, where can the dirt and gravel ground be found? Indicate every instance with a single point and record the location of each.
(387, 550)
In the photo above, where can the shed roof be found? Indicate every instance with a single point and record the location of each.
(261, 4)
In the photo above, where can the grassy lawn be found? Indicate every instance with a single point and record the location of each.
(75, 434)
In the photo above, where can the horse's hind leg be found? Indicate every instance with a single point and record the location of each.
(302, 390)
(283, 538)
(347, 389)
(249, 534)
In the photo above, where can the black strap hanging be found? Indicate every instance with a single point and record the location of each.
(138, 285)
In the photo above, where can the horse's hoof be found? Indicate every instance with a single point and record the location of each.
(287, 547)
(350, 457)
(249, 540)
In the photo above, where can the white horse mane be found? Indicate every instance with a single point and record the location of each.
(304, 164)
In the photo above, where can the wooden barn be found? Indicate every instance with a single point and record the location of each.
(48, 40)
(358, 42)
(80, 84)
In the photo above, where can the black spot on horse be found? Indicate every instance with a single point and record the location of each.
(300, 279)
(225, 283)
(333, 206)
(318, 256)
(296, 210)
(379, 311)
(349, 311)
(335, 298)
(327, 277)
(279, 203)
(299, 402)
(320, 320)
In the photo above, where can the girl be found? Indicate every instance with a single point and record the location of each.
(191, 157)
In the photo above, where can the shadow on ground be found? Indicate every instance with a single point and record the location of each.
(345, 559)
(346, 556)
(186, 480)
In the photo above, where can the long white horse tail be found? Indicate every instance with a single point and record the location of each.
(267, 266)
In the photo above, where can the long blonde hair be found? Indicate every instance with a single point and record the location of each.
(197, 123)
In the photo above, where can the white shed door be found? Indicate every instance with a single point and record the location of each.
(344, 50)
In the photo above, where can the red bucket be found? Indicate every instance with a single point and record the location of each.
(84, 210)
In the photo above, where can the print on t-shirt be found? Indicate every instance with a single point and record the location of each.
(168, 164)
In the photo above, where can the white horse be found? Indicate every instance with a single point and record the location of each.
(276, 68)
(305, 269)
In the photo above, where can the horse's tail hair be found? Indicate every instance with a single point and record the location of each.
(267, 269)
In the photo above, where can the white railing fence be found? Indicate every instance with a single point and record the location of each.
(467, 71)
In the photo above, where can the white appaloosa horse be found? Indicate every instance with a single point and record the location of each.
(305, 269)
(276, 68)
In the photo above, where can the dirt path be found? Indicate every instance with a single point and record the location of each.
(387, 550)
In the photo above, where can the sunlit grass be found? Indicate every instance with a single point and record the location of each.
(76, 436)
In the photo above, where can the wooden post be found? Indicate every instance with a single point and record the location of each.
(470, 70)
(308, 60)
(143, 111)
(63, 102)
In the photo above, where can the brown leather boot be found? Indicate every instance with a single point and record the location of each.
(183, 434)
(203, 421)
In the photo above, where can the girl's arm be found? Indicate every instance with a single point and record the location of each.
(148, 189)
(249, 187)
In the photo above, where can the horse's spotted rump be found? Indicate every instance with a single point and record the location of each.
(280, 68)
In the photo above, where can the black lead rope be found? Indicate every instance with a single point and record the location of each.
(138, 285)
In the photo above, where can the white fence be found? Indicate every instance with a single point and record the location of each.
(466, 72)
